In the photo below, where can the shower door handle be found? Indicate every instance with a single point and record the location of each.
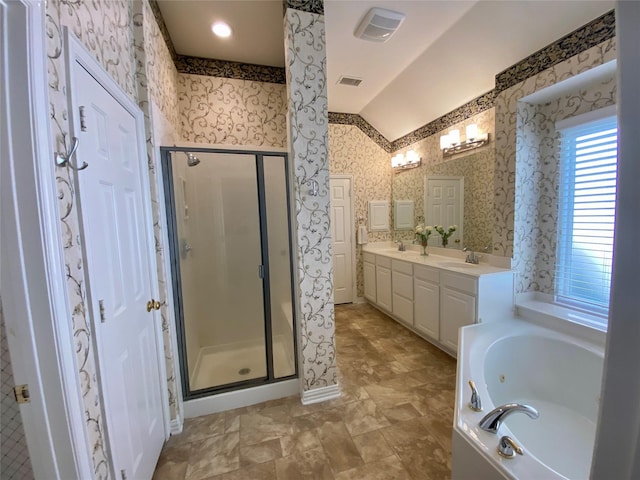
(261, 271)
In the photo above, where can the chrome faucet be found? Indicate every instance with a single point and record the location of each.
(401, 246)
(492, 420)
(471, 256)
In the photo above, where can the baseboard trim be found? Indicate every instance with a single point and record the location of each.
(176, 425)
(240, 398)
(321, 394)
(360, 300)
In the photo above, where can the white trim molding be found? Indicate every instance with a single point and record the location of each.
(36, 306)
(321, 394)
(240, 398)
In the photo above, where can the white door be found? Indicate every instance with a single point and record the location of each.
(121, 269)
(444, 201)
(341, 228)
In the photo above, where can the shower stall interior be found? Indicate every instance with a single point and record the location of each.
(230, 242)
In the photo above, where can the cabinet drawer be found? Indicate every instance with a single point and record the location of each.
(460, 282)
(403, 267)
(402, 284)
(383, 261)
(369, 257)
(426, 273)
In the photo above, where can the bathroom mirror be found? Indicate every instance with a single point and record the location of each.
(477, 169)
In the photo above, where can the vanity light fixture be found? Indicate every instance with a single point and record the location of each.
(411, 159)
(221, 29)
(451, 144)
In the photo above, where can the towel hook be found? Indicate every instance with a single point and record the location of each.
(61, 158)
(314, 188)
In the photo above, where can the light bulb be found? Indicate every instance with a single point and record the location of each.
(221, 29)
(454, 137)
(472, 132)
(444, 142)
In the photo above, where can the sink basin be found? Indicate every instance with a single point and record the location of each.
(457, 265)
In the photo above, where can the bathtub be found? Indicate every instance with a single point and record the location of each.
(517, 361)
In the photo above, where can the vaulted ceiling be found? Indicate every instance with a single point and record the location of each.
(445, 54)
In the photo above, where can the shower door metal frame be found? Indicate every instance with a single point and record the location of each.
(174, 260)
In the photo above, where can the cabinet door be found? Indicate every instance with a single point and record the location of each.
(369, 281)
(383, 288)
(457, 309)
(426, 302)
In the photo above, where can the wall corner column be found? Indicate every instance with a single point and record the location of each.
(305, 65)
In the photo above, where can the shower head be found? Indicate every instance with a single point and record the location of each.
(192, 160)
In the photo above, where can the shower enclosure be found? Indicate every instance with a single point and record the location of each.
(229, 231)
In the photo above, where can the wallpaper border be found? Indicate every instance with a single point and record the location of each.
(593, 33)
(310, 6)
(226, 69)
(469, 109)
(213, 67)
(155, 8)
(358, 121)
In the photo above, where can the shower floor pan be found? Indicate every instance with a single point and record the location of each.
(231, 363)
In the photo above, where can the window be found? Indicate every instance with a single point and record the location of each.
(586, 216)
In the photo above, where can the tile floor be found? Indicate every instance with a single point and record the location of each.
(392, 421)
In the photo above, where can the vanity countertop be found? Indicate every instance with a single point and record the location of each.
(445, 259)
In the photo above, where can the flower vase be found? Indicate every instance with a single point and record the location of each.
(424, 249)
(445, 242)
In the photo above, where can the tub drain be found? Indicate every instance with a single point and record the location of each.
(244, 371)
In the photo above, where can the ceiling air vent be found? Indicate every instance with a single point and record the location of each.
(350, 81)
(379, 24)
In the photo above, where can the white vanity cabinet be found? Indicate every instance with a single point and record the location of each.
(436, 300)
(383, 283)
(369, 269)
(402, 285)
(458, 298)
(426, 303)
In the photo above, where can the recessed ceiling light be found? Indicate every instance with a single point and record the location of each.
(221, 29)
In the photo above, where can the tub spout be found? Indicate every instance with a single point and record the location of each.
(492, 420)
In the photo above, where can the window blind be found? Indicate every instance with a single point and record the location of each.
(586, 216)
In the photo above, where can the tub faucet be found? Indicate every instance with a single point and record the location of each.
(475, 404)
(492, 420)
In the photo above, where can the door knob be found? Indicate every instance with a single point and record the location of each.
(153, 305)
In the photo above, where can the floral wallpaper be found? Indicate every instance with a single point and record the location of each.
(161, 77)
(506, 136)
(305, 55)
(537, 172)
(123, 37)
(154, 64)
(362, 124)
(105, 28)
(351, 151)
(227, 111)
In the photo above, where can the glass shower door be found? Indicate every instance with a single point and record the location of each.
(218, 230)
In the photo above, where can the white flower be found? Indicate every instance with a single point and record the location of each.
(419, 229)
(428, 228)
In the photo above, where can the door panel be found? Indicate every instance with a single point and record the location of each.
(341, 226)
(114, 225)
(277, 210)
(444, 202)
